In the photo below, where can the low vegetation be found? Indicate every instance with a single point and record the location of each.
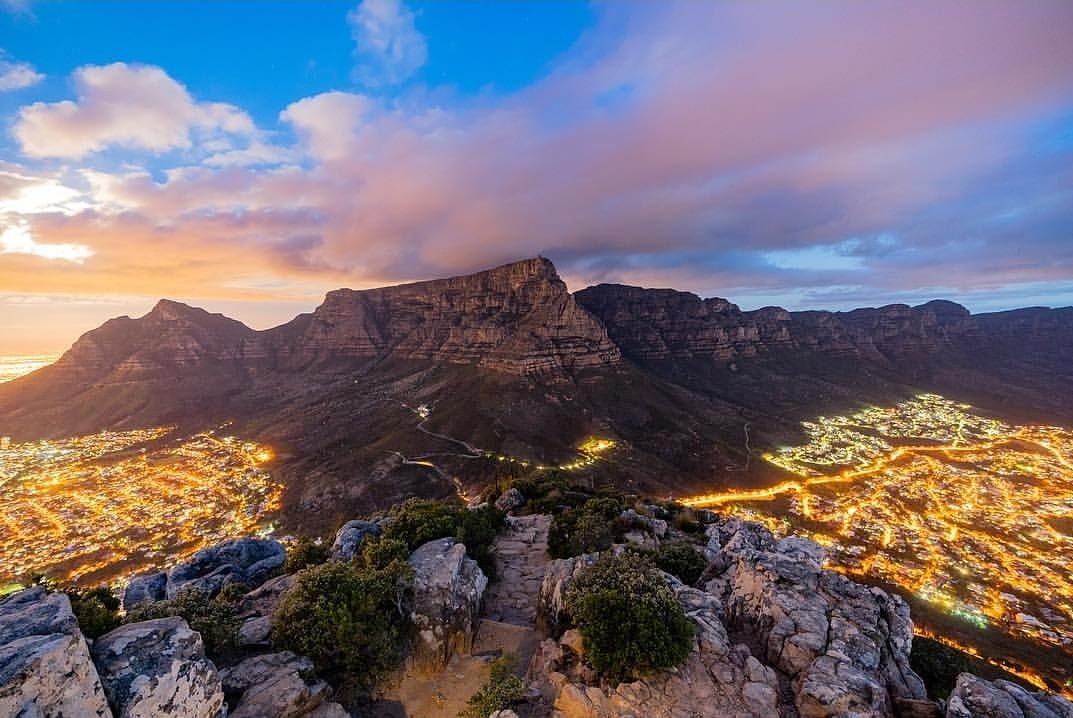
(215, 618)
(418, 521)
(681, 560)
(97, 609)
(503, 689)
(351, 619)
(629, 619)
(303, 553)
(937, 665)
(593, 525)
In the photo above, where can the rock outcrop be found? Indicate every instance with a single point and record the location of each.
(717, 679)
(351, 537)
(518, 318)
(667, 324)
(255, 610)
(158, 668)
(448, 588)
(775, 633)
(245, 561)
(277, 685)
(974, 697)
(45, 666)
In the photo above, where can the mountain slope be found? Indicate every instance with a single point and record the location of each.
(507, 362)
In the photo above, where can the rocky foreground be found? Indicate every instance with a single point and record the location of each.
(776, 635)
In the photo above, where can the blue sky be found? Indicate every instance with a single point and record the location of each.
(248, 157)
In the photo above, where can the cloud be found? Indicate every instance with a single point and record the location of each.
(16, 239)
(17, 75)
(760, 152)
(389, 48)
(120, 105)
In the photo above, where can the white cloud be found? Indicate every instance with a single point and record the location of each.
(389, 48)
(328, 121)
(135, 106)
(17, 75)
(16, 239)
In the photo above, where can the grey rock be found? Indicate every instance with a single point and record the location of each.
(510, 500)
(350, 539)
(145, 589)
(158, 668)
(45, 666)
(448, 588)
(244, 561)
(975, 697)
(656, 527)
(275, 685)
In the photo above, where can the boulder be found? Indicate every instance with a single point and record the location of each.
(244, 561)
(974, 697)
(146, 588)
(256, 609)
(158, 668)
(656, 527)
(45, 665)
(448, 587)
(844, 646)
(510, 500)
(276, 685)
(350, 538)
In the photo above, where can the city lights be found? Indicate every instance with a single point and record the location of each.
(96, 508)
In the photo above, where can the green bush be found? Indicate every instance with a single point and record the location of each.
(352, 621)
(214, 618)
(418, 521)
(592, 526)
(502, 690)
(629, 620)
(303, 553)
(379, 553)
(97, 609)
(682, 560)
(937, 665)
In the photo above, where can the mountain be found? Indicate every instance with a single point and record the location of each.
(509, 362)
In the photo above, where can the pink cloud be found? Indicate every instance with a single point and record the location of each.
(133, 106)
(677, 144)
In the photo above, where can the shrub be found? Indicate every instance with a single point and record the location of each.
(418, 521)
(303, 553)
(629, 620)
(214, 618)
(681, 560)
(502, 690)
(937, 665)
(97, 609)
(379, 553)
(352, 621)
(592, 526)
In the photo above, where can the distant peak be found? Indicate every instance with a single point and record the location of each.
(171, 309)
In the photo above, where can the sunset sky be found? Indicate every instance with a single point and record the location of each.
(247, 157)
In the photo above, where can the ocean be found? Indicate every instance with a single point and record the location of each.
(12, 367)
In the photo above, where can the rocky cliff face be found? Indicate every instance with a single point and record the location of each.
(518, 318)
(667, 324)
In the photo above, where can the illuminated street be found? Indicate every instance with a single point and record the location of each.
(99, 507)
(970, 514)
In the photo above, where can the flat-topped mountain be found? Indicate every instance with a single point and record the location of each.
(518, 318)
(509, 362)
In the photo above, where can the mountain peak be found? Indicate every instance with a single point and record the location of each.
(171, 309)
